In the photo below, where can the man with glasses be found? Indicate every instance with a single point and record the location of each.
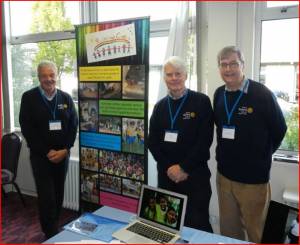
(250, 128)
(180, 135)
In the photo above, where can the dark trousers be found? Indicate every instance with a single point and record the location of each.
(198, 191)
(49, 180)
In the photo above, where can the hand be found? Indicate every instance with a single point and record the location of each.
(57, 156)
(176, 173)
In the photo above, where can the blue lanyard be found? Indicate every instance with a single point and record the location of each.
(229, 114)
(173, 119)
(47, 104)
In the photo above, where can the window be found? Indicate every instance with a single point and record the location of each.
(32, 14)
(279, 71)
(156, 10)
(41, 33)
(272, 4)
(28, 50)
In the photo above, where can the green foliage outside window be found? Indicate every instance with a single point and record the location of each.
(291, 140)
(47, 16)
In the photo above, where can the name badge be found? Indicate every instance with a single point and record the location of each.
(54, 125)
(228, 132)
(171, 136)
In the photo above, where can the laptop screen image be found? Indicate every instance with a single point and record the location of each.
(162, 207)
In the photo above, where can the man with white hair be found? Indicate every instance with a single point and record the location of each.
(181, 133)
(48, 122)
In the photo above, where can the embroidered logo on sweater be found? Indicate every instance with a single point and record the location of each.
(188, 115)
(62, 106)
(244, 110)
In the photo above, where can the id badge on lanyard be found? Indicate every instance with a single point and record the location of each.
(54, 125)
(228, 132)
(171, 136)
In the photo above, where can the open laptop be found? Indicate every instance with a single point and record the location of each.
(159, 219)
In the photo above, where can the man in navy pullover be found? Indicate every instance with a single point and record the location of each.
(250, 128)
(180, 135)
(48, 122)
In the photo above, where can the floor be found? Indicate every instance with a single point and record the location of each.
(21, 224)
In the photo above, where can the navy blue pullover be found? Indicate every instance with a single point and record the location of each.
(259, 130)
(34, 118)
(195, 133)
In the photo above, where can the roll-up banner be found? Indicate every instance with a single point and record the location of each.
(113, 74)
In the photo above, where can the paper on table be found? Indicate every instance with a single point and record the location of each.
(95, 226)
(210, 238)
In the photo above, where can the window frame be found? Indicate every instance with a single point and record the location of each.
(263, 13)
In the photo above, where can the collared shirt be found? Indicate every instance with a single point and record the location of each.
(45, 94)
(244, 83)
(183, 94)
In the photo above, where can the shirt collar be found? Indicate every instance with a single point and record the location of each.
(183, 94)
(45, 95)
(244, 86)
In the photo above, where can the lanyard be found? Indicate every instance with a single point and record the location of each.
(173, 119)
(47, 104)
(229, 114)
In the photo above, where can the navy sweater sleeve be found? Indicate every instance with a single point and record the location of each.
(73, 123)
(276, 121)
(28, 129)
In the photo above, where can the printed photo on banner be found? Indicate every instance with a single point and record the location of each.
(89, 186)
(122, 164)
(133, 82)
(109, 90)
(110, 125)
(110, 183)
(89, 158)
(131, 188)
(110, 44)
(88, 90)
(133, 135)
(89, 115)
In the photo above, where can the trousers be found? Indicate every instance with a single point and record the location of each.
(49, 180)
(242, 208)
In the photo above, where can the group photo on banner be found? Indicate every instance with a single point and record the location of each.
(113, 74)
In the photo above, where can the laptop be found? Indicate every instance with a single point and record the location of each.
(159, 219)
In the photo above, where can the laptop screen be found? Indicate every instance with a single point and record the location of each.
(162, 207)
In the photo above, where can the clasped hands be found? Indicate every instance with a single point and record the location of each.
(176, 173)
(57, 156)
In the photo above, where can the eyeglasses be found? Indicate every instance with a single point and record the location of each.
(232, 65)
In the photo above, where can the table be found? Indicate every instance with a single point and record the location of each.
(189, 235)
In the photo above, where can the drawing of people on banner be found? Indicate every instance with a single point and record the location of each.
(110, 90)
(133, 135)
(134, 82)
(89, 115)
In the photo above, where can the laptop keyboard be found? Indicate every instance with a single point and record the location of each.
(150, 232)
